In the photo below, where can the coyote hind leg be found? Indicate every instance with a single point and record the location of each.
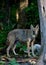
(11, 40)
(14, 50)
(8, 49)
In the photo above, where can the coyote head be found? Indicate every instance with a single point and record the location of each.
(34, 30)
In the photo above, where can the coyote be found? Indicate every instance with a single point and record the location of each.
(24, 35)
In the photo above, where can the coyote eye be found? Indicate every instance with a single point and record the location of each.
(43, 8)
(33, 32)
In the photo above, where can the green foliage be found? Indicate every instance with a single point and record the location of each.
(23, 47)
(13, 62)
(4, 33)
(2, 62)
(32, 14)
(2, 14)
(13, 13)
(32, 18)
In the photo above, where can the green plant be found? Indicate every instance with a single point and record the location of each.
(4, 33)
(32, 15)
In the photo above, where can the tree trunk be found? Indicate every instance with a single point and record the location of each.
(22, 19)
(42, 15)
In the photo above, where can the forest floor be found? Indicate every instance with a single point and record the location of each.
(18, 61)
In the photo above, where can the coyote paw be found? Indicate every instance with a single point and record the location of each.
(16, 54)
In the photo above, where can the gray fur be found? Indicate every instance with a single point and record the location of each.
(24, 35)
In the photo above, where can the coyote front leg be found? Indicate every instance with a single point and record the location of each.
(28, 46)
(32, 43)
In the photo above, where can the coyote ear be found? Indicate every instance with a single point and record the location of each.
(37, 27)
(31, 26)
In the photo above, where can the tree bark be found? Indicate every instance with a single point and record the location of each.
(42, 16)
